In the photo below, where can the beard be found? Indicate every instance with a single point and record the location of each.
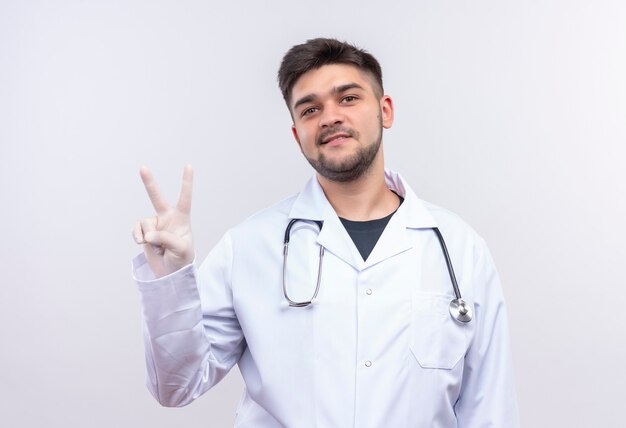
(350, 168)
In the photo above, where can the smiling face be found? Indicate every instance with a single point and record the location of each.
(338, 119)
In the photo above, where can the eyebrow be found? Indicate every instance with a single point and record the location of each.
(336, 90)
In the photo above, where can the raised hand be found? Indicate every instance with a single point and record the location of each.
(166, 237)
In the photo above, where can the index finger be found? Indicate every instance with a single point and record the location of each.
(158, 202)
(184, 200)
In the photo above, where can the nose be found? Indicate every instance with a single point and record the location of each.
(331, 116)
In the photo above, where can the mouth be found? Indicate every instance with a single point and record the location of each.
(335, 138)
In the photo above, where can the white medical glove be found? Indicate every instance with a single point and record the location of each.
(166, 238)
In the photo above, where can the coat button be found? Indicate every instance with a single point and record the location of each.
(368, 291)
(368, 363)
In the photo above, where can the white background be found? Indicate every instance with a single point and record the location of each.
(512, 114)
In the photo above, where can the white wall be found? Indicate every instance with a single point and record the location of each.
(510, 113)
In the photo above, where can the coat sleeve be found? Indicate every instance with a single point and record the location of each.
(488, 398)
(191, 333)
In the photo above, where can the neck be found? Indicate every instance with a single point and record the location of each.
(367, 198)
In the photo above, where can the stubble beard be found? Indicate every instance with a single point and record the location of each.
(351, 168)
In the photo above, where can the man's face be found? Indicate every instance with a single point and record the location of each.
(338, 120)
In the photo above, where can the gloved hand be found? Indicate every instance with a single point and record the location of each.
(166, 238)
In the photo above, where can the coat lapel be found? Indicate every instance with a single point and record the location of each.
(394, 240)
(311, 204)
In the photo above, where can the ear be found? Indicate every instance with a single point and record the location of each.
(386, 108)
(294, 131)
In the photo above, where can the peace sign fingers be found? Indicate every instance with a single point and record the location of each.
(166, 237)
(184, 200)
(158, 201)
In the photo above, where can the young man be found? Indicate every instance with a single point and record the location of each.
(378, 346)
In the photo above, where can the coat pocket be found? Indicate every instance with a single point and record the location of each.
(438, 341)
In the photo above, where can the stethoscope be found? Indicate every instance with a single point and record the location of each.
(459, 309)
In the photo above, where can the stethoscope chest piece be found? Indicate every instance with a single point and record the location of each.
(460, 310)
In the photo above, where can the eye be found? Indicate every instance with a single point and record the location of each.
(349, 99)
(308, 111)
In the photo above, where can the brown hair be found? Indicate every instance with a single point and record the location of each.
(316, 53)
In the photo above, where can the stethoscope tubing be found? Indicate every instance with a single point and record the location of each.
(293, 303)
(455, 285)
(458, 308)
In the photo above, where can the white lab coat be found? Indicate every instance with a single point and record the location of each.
(379, 349)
